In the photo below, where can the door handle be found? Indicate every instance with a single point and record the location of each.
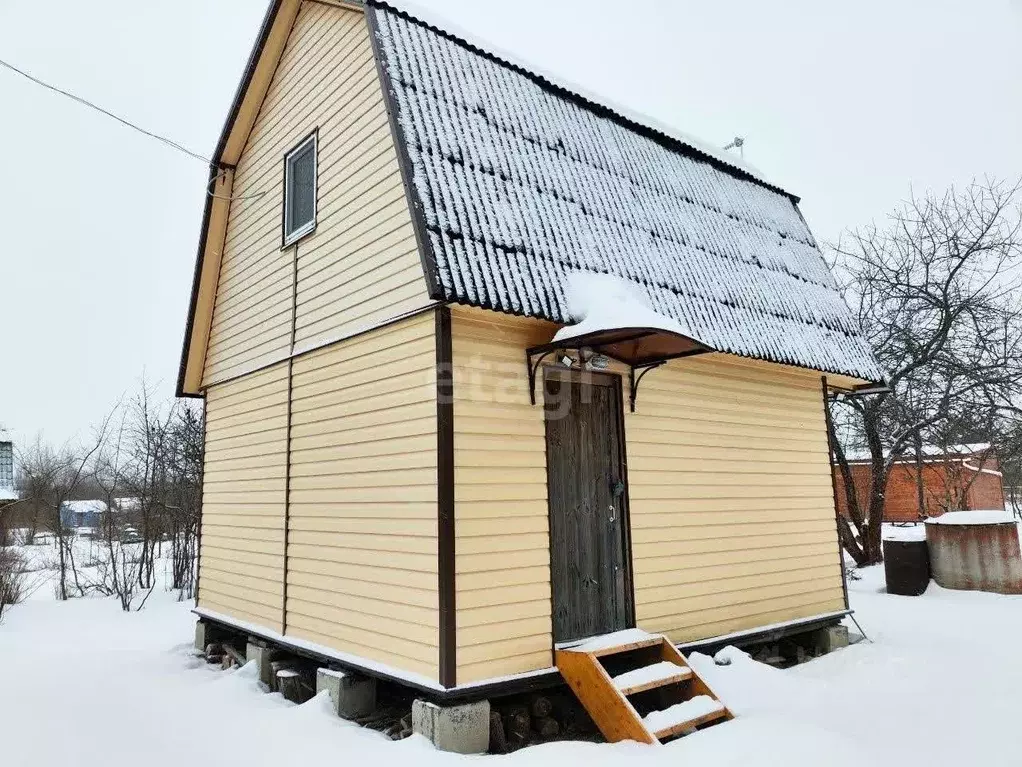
(613, 517)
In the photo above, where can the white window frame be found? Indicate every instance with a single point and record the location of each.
(291, 237)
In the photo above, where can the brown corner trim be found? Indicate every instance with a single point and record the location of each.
(445, 497)
(426, 254)
(834, 490)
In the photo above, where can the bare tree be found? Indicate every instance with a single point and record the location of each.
(118, 570)
(151, 446)
(1010, 460)
(936, 295)
(145, 467)
(184, 495)
(50, 478)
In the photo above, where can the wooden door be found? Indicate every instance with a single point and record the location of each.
(589, 569)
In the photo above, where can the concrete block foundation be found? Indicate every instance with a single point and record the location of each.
(463, 729)
(351, 695)
(207, 634)
(277, 666)
(201, 632)
(263, 656)
(831, 638)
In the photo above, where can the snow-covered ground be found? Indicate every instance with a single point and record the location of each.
(87, 685)
(90, 556)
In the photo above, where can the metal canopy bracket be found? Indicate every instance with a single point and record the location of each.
(633, 380)
(534, 359)
(533, 367)
(640, 349)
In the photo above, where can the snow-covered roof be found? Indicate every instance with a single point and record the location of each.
(98, 506)
(85, 507)
(518, 182)
(427, 16)
(8, 494)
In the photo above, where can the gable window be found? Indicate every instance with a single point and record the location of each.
(300, 190)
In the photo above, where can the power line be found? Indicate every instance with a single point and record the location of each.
(143, 131)
(90, 105)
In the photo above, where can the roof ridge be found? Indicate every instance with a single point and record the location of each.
(563, 90)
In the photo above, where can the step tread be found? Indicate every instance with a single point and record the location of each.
(683, 716)
(649, 677)
(617, 642)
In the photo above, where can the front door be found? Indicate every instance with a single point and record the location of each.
(588, 504)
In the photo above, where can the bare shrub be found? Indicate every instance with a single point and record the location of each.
(12, 578)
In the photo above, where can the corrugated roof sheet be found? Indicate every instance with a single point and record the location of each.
(521, 183)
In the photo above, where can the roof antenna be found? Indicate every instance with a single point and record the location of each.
(739, 144)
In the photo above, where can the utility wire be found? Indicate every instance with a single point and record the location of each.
(90, 105)
(133, 126)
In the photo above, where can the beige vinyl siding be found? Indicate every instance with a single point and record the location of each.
(362, 556)
(732, 507)
(242, 557)
(361, 265)
(501, 522)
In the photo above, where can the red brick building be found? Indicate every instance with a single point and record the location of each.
(964, 477)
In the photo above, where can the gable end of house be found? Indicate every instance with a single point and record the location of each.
(258, 295)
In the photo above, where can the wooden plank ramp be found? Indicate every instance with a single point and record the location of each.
(638, 686)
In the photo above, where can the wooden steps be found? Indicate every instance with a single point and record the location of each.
(637, 686)
(683, 717)
(651, 677)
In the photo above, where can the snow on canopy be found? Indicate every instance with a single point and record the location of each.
(521, 182)
(606, 302)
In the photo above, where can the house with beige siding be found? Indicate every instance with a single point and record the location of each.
(491, 367)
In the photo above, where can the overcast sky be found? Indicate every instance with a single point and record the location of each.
(846, 104)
